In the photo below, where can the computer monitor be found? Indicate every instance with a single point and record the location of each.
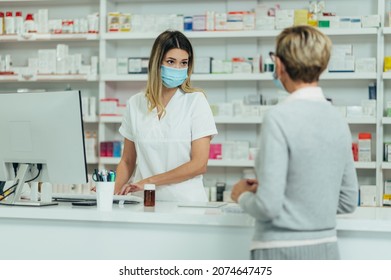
(41, 130)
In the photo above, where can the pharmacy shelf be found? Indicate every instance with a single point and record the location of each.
(365, 165)
(348, 76)
(194, 77)
(386, 165)
(386, 75)
(192, 34)
(361, 120)
(232, 34)
(237, 163)
(92, 161)
(110, 119)
(371, 42)
(47, 78)
(233, 77)
(386, 120)
(218, 120)
(239, 77)
(109, 160)
(244, 120)
(152, 1)
(124, 78)
(32, 37)
(231, 163)
(211, 162)
(93, 119)
(238, 120)
(349, 31)
(18, 3)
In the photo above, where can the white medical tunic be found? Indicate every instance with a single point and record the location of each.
(164, 144)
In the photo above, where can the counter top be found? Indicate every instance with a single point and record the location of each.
(215, 233)
(162, 213)
(363, 219)
(374, 219)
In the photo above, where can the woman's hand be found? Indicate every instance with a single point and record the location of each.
(246, 185)
(131, 187)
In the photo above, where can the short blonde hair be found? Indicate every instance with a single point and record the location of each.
(304, 51)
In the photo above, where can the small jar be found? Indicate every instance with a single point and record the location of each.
(149, 195)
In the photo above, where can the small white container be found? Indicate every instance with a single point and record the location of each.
(104, 195)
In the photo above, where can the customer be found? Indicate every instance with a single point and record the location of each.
(305, 164)
(167, 128)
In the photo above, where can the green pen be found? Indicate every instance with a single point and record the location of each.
(112, 176)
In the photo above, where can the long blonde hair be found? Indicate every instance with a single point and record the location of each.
(165, 42)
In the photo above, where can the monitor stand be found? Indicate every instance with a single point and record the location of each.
(14, 200)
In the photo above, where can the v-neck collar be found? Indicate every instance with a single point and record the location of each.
(173, 97)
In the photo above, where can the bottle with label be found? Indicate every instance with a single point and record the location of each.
(9, 23)
(29, 24)
(149, 195)
(372, 91)
(1, 23)
(19, 23)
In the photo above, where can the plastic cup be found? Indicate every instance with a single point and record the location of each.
(104, 195)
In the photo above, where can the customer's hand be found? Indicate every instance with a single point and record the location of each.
(245, 185)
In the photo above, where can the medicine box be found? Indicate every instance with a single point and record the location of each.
(202, 65)
(138, 65)
(108, 106)
(367, 195)
(109, 66)
(215, 151)
(125, 23)
(220, 21)
(199, 23)
(387, 193)
(387, 63)
(368, 107)
(300, 17)
(364, 147)
(113, 22)
(366, 65)
(370, 21)
(122, 66)
(387, 153)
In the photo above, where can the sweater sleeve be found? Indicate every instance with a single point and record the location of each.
(348, 196)
(271, 168)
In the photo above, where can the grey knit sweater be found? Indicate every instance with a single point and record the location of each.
(305, 171)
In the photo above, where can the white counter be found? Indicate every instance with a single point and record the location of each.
(170, 232)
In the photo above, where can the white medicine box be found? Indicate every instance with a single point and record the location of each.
(367, 195)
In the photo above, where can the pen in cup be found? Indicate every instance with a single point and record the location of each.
(104, 175)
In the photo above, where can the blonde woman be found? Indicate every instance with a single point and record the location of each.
(305, 164)
(168, 128)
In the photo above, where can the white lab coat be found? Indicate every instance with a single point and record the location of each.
(165, 144)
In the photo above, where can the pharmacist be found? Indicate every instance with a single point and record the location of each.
(167, 128)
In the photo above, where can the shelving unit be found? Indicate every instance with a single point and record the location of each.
(226, 87)
(343, 88)
(24, 46)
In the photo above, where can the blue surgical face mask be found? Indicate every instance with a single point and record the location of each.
(173, 77)
(277, 82)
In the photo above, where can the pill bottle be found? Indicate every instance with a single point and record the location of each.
(149, 195)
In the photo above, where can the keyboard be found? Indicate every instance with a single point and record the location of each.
(71, 197)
